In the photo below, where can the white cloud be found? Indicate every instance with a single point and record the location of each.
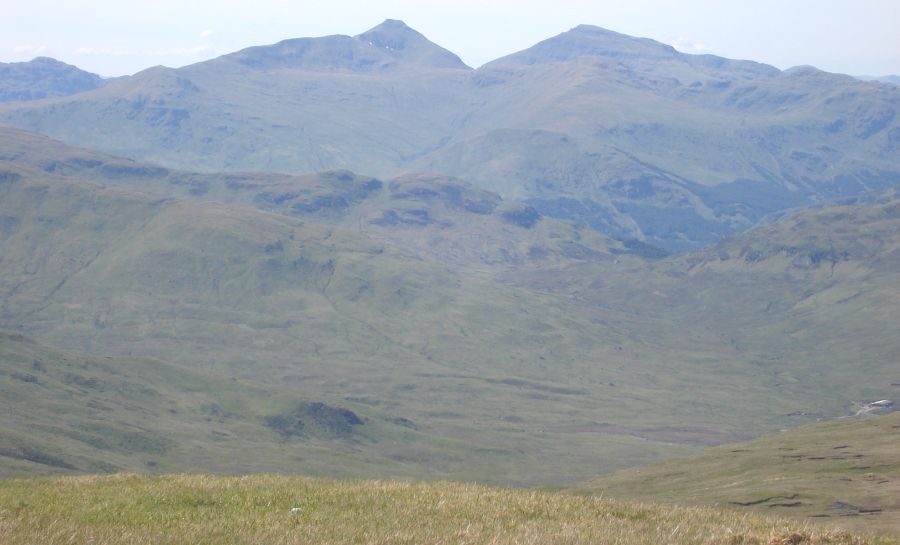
(184, 50)
(175, 51)
(32, 49)
(686, 45)
(102, 51)
(206, 33)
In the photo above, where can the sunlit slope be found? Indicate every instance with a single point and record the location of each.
(272, 509)
(845, 471)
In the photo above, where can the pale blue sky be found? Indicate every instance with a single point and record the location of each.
(115, 37)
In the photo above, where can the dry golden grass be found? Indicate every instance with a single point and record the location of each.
(268, 509)
(845, 470)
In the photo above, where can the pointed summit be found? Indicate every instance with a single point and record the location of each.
(392, 33)
(404, 43)
(388, 46)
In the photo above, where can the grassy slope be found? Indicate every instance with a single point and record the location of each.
(846, 470)
(442, 218)
(329, 315)
(589, 372)
(69, 413)
(258, 509)
(807, 303)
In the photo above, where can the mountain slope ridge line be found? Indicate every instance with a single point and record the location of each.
(664, 147)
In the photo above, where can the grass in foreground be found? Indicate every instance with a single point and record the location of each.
(128, 509)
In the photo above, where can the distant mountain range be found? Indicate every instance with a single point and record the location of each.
(44, 77)
(624, 135)
(883, 79)
(357, 256)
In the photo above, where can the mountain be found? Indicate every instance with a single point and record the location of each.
(686, 148)
(521, 349)
(300, 106)
(43, 77)
(623, 135)
(443, 218)
(326, 314)
(463, 272)
(389, 46)
(883, 79)
(846, 471)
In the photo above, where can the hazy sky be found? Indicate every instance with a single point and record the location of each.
(115, 37)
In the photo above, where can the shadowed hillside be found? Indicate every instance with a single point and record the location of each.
(66, 412)
(43, 77)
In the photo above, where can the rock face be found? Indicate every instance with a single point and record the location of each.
(312, 419)
(43, 77)
(882, 406)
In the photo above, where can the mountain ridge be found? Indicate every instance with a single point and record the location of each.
(389, 45)
(591, 41)
(623, 135)
(44, 77)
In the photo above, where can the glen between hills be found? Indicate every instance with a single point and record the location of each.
(350, 349)
(622, 134)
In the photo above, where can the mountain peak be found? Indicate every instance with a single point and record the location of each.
(403, 42)
(589, 40)
(388, 46)
(43, 77)
(392, 25)
(49, 61)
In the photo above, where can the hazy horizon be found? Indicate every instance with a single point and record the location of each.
(114, 39)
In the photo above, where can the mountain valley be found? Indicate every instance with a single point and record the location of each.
(357, 257)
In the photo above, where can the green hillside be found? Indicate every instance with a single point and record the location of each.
(625, 135)
(544, 374)
(442, 218)
(810, 296)
(355, 257)
(845, 471)
(64, 412)
(128, 509)
(324, 313)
